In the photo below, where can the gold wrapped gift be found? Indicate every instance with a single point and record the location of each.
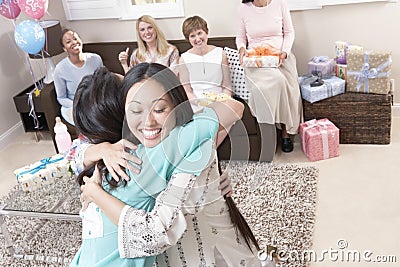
(368, 72)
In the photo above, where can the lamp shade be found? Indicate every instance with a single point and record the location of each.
(52, 46)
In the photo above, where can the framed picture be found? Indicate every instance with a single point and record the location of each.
(133, 9)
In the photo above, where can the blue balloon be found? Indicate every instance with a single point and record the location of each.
(30, 36)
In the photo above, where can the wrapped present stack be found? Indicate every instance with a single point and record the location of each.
(363, 112)
(262, 57)
(43, 172)
(320, 82)
(319, 139)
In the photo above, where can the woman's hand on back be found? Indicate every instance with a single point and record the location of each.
(116, 157)
(91, 186)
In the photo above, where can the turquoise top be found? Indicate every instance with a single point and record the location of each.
(186, 149)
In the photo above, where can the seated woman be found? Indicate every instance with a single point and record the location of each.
(275, 94)
(188, 206)
(204, 68)
(152, 46)
(70, 71)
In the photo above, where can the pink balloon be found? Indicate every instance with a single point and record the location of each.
(35, 9)
(10, 9)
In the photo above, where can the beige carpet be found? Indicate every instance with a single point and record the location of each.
(278, 201)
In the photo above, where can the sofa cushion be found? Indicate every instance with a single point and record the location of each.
(238, 79)
(109, 51)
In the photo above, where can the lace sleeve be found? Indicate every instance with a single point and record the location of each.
(142, 233)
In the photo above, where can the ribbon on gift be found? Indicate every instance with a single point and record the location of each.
(320, 59)
(32, 111)
(366, 73)
(323, 128)
(308, 79)
(41, 166)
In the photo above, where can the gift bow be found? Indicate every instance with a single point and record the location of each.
(320, 59)
(323, 127)
(41, 166)
(366, 73)
(308, 79)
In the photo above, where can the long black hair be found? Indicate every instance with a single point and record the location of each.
(239, 222)
(98, 114)
(247, 1)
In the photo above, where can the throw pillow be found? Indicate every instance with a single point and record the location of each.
(238, 79)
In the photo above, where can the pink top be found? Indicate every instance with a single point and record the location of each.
(265, 25)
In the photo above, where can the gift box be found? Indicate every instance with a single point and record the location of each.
(322, 64)
(261, 61)
(331, 87)
(341, 71)
(43, 172)
(354, 48)
(319, 139)
(340, 51)
(211, 97)
(368, 72)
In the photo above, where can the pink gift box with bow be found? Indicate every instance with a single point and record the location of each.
(319, 139)
(322, 64)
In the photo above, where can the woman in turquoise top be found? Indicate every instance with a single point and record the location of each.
(173, 155)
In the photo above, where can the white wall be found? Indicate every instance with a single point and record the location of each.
(372, 25)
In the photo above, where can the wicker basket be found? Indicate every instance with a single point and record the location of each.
(361, 118)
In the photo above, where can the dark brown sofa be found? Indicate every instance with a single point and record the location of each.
(244, 136)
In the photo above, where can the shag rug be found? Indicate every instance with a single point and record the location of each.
(278, 201)
(279, 204)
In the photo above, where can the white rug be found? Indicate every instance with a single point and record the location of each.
(278, 201)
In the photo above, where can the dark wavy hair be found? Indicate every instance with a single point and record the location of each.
(247, 1)
(99, 114)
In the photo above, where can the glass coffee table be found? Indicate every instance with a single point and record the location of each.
(56, 201)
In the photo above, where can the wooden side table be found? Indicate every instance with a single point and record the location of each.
(23, 107)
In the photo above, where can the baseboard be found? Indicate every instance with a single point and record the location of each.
(396, 110)
(11, 135)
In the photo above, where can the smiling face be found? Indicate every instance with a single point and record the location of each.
(198, 38)
(147, 32)
(72, 43)
(149, 112)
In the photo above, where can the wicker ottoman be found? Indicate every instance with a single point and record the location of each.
(361, 118)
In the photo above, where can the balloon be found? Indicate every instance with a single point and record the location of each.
(9, 9)
(30, 36)
(34, 8)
